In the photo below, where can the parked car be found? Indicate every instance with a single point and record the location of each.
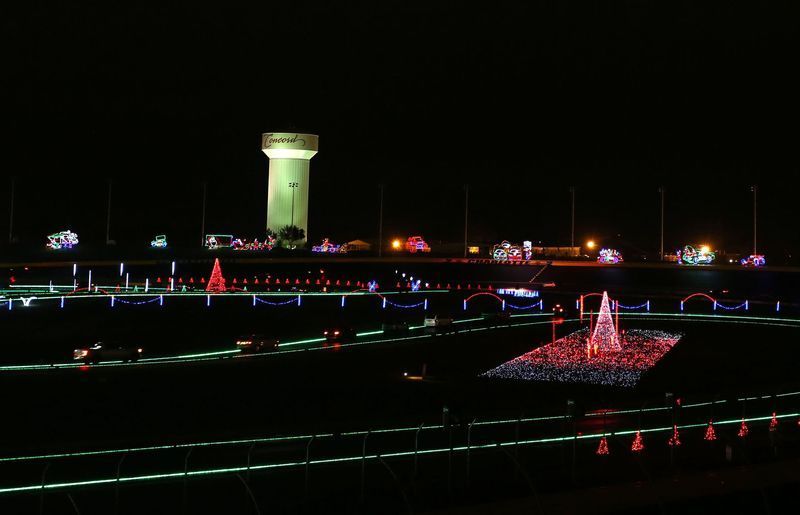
(99, 352)
(395, 326)
(256, 343)
(439, 324)
(339, 334)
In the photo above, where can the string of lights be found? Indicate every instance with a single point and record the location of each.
(672, 430)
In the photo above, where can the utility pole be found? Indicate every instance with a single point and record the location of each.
(108, 215)
(203, 219)
(11, 213)
(380, 224)
(661, 253)
(754, 189)
(466, 217)
(572, 237)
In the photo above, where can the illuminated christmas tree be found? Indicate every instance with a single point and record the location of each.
(638, 443)
(604, 337)
(602, 448)
(674, 440)
(743, 430)
(773, 424)
(216, 283)
(711, 435)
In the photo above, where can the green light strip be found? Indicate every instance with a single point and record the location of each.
(461, 448)
(102, 452)
(206, 356)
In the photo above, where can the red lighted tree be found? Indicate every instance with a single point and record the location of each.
(605, 337)
(216, 283)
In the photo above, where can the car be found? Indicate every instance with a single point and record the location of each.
(395, 326)
(559, 313)
(496, 317)
(100, 352)
(439, 324)
(256, 343)
(339, 334)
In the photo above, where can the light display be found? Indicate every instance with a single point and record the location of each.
(743, 430)
(159, 242)
(518, 292)
(604, 338)
(638, 443)
(216, 283)
(696, 256)
(416, 244)
(609, 257)
(62, 240)
(329, 248)
(505, 251)
(674, 439)
(216, 241)
(571, 360)
(602, 447)
(240, 244)
(754, 260)
(773, 423)
(710, 435)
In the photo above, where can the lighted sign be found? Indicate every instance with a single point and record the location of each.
(696, 256)
(754, 260)
(474, 250)
(62, 240)
(609, 257)
(518, 292)
(159, 242)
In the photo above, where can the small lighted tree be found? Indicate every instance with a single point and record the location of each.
(216, 283)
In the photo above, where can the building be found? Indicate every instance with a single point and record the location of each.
(287, 190)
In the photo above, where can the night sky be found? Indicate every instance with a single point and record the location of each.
(519, 99)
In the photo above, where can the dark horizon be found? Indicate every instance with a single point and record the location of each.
(521, 102)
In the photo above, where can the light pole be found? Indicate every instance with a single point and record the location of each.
(380, 224)
(11, 214)
(108, 215)
(754, 189)
(294, 186)
(466, 217)
(203, 219)
(661, 253)
(572, 237)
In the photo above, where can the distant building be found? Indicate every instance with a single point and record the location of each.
(287, 191)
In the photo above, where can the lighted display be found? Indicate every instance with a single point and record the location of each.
(596, 356)
(416, 244)
(690, 255)
(507, 251)
(240, 244)
(62, 240)
(329, 248)
(754, 260)
(216, 283)
(159, 242)
(609, 257)
(216, 241)
(518, 292)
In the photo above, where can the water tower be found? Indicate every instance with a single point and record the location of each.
(289, 156)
